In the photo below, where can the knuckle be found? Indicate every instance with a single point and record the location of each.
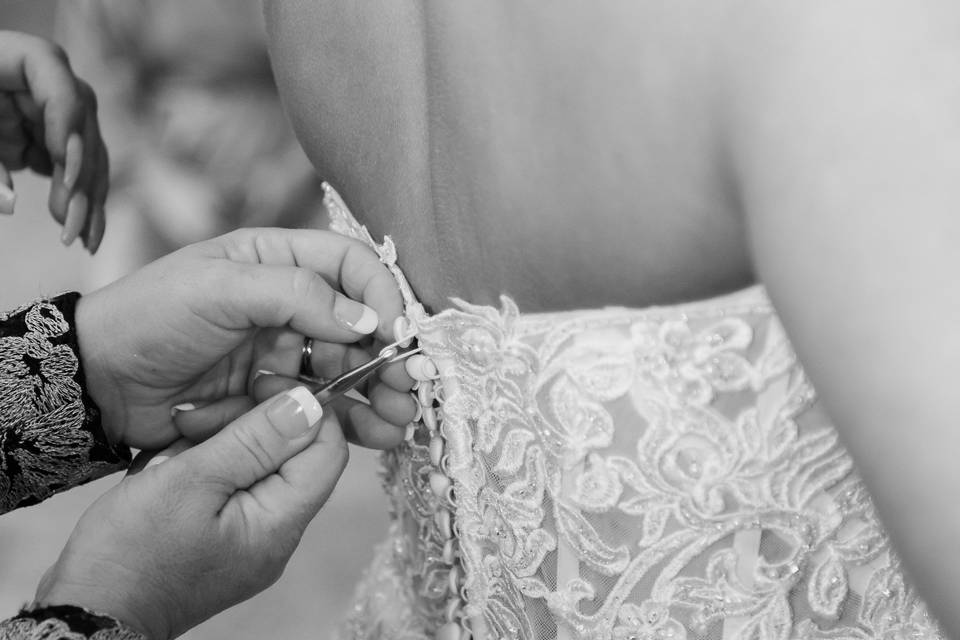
(54, 50)
(255, 447)
(304, 285)
(232, 244)
(360, 254)
(357, 250)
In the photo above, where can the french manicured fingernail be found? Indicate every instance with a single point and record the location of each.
(7, 199)
(155, 460)
(294, 412)
(96, 232)
(76, 216)
(87, 235)
(354, 315)
(180, 408)
(71, 163)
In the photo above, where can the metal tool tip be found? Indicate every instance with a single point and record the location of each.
(388, 352)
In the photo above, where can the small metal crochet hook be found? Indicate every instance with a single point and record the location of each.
(326, 391)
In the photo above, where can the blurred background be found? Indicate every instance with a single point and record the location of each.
(199, 146)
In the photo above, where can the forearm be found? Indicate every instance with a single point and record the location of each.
(50, 433)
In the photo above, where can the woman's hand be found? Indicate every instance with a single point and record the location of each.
(48, 123)
(200, 529)
(172, 350)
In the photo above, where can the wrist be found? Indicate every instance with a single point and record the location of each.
(93, 354)
(99, 602)
(79, 620)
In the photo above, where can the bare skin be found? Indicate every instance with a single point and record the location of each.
(510, 139)
(645, 152)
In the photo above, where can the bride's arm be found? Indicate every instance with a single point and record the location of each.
(846, 123)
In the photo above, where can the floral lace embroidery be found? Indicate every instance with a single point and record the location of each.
(65, 623)
(50, 434)
(659, 473)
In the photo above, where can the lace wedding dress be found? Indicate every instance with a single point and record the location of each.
(661, 473)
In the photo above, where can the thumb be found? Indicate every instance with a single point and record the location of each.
(257, 444)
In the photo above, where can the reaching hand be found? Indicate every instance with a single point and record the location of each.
(200, 529)
(194, 327)
(48, 123)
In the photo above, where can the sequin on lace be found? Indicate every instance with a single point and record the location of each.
(663, 473)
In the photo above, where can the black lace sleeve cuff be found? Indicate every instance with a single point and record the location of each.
(65, 623)
(51, 438)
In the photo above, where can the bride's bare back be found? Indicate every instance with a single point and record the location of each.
(541, 150)
(646, 151)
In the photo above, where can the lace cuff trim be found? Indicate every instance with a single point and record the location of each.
(65, 622)
(51, 438)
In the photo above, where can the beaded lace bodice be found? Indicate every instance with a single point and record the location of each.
(662, 473)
